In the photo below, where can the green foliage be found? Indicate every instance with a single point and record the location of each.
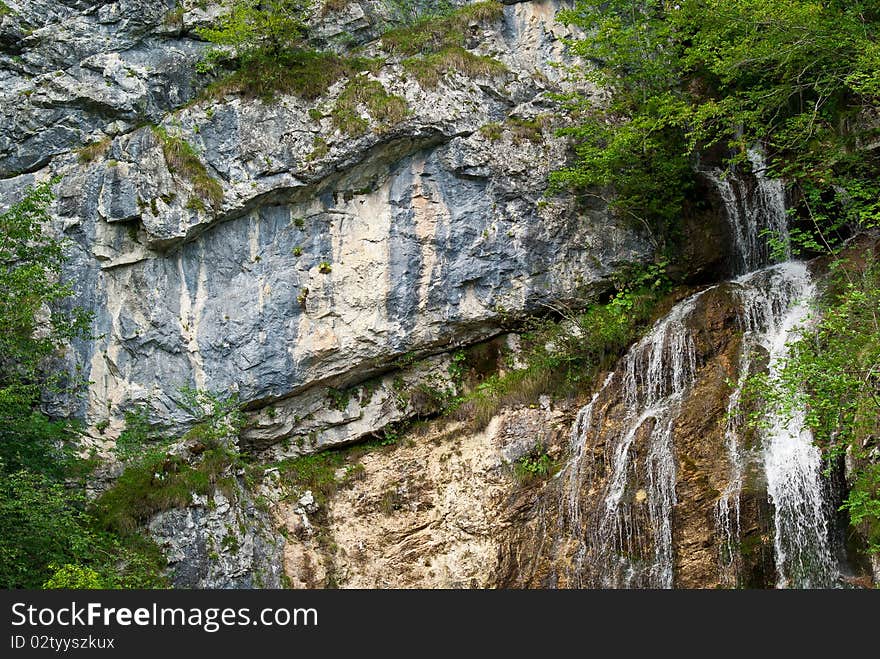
(792, 75)
(319, 150)
(43, 520)
(263, 42)
(863, 505)
(315, 472)
(39, 526)
(519, 129)
(74, 577)
(306, 73)
(457, 365)
(155, 480)
(386, 109)
(138, 435)
(433, 33)
(325, 472)
(493, 131)
(434, 45)
(530, 130)
(259, 30)
(195, 204)
(219, 419)
(43, 525)
(182, 159)
(158, 481)
(31, 337)
(428, 70)
(174, 17)
(535, 466)
(339, 398)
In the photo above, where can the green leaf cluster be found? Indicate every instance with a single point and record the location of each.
(47, 534)
(833, 372)
(797, 77)
(35, 326)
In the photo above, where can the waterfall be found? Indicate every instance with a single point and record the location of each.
(755, 212)
(774, 305)
(578, 475)
(627, 539)
(628, 543)
(659, 370)
(792, 464)
(727, 510)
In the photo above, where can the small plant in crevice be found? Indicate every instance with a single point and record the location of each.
(174, 17)
(338, 398)
(390, 501)
(325, 268)
(492, 131)
(535, 466)
(386, 109)
(319, 149)
(530, 130)
(428, 70)
(195, 204)
(95, 150)
(333, 7)
(181, 158)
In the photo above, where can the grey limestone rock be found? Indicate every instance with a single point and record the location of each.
(326, 256)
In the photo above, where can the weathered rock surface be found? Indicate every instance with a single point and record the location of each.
(221, 542)
(330, 255)
(444, 509)
(433, 512)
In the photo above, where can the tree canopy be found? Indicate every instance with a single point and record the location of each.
(798, 77)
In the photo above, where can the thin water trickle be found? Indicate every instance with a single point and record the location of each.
(628, 543)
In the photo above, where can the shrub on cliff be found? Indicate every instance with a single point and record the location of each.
(31, 335)
(264, 43)
(46, 534)
(799, 77)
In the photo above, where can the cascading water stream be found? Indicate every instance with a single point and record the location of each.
(756, 215)
(621, 547)
(792, 464)
(774, 304)
(628, 541)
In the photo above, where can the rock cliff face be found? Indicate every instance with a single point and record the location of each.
(677, 496)
(328, 274)
(325, 257)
